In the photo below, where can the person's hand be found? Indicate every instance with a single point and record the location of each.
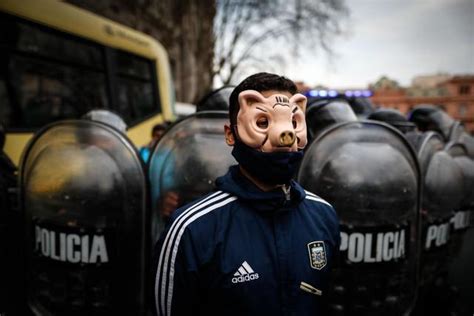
(169, 203)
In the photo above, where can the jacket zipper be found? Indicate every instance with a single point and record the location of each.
(286, 190)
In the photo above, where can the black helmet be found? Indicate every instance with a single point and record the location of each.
(394, 118)
(428, 117)
(321, 114)
(107, 117)
(215, 100)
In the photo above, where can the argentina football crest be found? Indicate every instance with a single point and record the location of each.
(317, 254)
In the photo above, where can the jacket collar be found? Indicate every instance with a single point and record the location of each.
(276, 200)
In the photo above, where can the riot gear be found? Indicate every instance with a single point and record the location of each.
(321, 114)
(362, 107)
(370, 174)
(185, 163)
(442, 192)
(216, 100)
(358, 101)
(394, 118)
(460, 147)
(83, 194)
(462, 234)
(107, 117)
(431, 118)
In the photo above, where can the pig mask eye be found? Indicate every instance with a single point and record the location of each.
(262, 122)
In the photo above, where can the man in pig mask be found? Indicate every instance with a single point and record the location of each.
(260, 244)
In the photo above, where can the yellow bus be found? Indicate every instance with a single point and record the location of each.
(58, 61)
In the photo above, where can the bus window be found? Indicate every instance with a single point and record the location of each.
(44, 43)
(133, 66)
(45, 92)
(47, 77)
(5, 106)
(136, 95)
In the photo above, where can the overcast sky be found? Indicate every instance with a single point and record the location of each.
(397, 38)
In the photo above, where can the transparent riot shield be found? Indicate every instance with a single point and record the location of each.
(443, 184)
(461, 271)
(443, 189)
(467, 140)
(83, 193)
(368, 171)
(185, 163)
(460, 154)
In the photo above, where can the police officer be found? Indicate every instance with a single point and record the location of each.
(260, 244)
(156, 133)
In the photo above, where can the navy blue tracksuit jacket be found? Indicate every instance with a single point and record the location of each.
(242, 251)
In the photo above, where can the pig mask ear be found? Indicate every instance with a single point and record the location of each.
(300, 100)
(244, 129)
(249, 97)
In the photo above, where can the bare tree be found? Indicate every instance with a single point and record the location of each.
(257, 34)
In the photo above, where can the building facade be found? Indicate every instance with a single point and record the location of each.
(455, 94)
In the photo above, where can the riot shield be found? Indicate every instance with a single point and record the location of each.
(442, 193)
(460, 154)
(443, 186)
(370, 174)
(83, 194)
(461, 271)
(468, 141)
(185, 163)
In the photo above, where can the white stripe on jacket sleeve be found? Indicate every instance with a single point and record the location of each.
(165, 270)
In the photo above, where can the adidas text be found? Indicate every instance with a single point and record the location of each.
(245, 278)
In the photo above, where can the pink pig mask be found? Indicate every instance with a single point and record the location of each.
(272, 124)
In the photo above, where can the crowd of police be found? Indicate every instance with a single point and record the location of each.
(78, 225)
